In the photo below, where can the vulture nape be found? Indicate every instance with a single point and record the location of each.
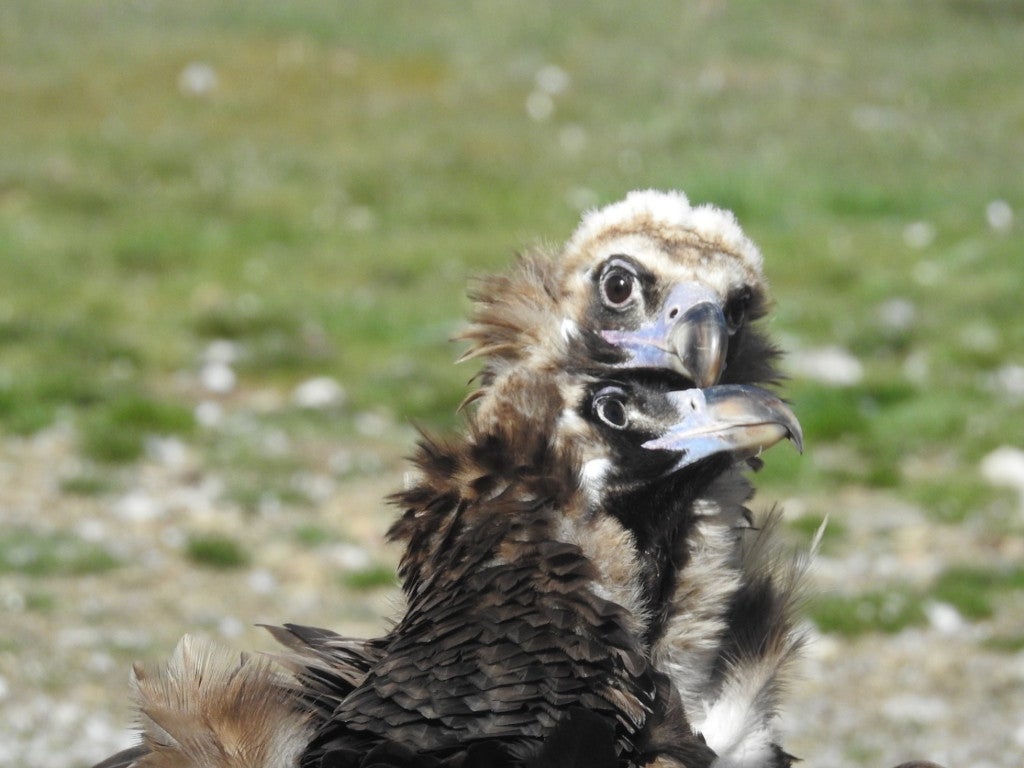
(668, 290)
(540, 554)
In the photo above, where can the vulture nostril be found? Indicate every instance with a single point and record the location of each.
(673, 313)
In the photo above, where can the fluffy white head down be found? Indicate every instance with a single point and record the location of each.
(673, 210)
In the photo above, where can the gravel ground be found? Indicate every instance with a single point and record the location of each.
(67, 641)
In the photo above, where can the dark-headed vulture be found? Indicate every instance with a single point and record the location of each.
(540, 551)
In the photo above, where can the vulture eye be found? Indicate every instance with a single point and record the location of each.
(610, 409)
(617, 285)
(736, 309)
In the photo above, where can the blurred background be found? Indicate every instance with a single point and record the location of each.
(235, 239)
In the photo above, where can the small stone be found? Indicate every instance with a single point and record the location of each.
(999, 215)
(231, 627)
(221, 351)
(552, 79)
(1004, 467)
(897, 315)
(944, 618)
(209, 414)
(349, 556)
(198, 79)
(371, 424)
(919, 234)
(829, 365)
(1009, 381)
(262, 581)
(319, 393)
(171, 452)
(138, 507)
(540, 106)
(218, 377)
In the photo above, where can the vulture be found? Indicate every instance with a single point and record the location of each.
(540, 551)
(654, 285)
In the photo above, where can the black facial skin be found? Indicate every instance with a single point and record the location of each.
(643, 492)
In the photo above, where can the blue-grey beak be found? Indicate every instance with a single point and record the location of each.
(740, 420)
(687, 334)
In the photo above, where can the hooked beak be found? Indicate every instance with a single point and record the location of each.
(740, 420)
(688, 334)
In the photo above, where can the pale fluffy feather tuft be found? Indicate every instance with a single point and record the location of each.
(212, 708)
(651, 209)
(738, 722)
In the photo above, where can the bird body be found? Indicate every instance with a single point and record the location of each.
(534, 587)
(652, 283)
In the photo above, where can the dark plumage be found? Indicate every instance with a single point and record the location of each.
(539, 552)
(537, 556)
(653, 283)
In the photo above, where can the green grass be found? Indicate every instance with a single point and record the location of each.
(972, 590)
(36, 554)
(890, 611)
(215, 551)
(373, 577)
(325, 204)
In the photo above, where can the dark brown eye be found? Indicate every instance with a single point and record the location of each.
(736, 309)
(611, 411)
(617, 286)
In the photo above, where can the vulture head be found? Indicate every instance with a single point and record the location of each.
(646, 282)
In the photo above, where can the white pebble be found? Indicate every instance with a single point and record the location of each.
(91, 529)
(229, 626)
(198, 79)
(217, 377)
(573, 139)
(915, 709)
(539, 106)
(897, 314)
(138, 507)
(371, 424)
(319, 394)
(1004, 467)
(944, 618)
(209, 414)
(221, 351)
(171, 452)
(262, 581)
(919, 234)
(359, 218)
(349, 556)
(999, 215)
(1009, 381)
(552, 79)
(829, 365)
